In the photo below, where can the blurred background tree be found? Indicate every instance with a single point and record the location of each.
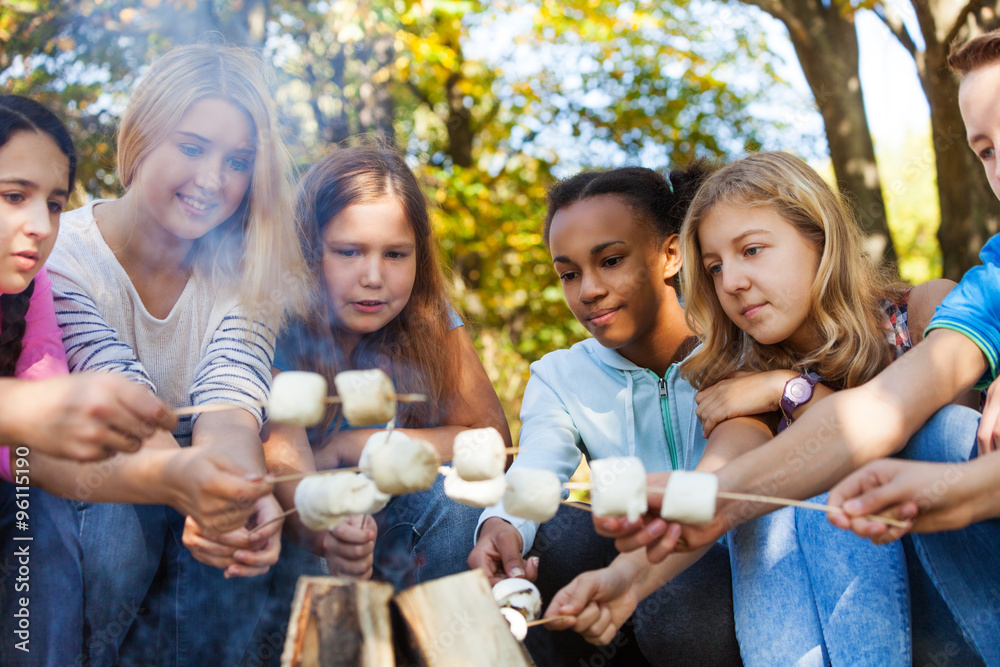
(491, 102)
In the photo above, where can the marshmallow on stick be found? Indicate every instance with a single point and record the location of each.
(520, 595)
(476, 494)
(372, 445)
(405, 466)
(690, 497)
(532, 494)
(298, 398)
(479, 454)
(618, 487)
(367, 397)
(324, 501)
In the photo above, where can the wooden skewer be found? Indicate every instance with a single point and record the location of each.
(577, 504)
(806, 505)
(220, 407)
(402, 398)
(772, 500)
(543, 621)
(576, 486)
(302, 475)
(209, 407)
(277, 518)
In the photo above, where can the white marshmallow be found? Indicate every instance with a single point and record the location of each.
(518, 624)
(298, 398)
(479, 454)
(520, 595)
(367, 397)
(323, 501)
(477, 494)
(407, 466)
(376, 441)
(690, 497)
(618, 487)
(532, 494)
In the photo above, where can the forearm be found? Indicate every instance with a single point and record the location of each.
(234, 433)
(13, 418)
(124, 478)
(287, 452)
(980, 484)
(732, 439)
(853, 427)
(646, 577)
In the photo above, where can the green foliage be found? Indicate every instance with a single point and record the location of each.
(486, 124)
(909, 186)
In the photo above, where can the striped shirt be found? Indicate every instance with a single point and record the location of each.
(204, 351)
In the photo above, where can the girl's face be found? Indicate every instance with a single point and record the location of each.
(195, 178)
(613, 273)
(763, 270)
(369, 264)
(34, 176)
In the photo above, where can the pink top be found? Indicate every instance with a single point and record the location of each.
(42, 351)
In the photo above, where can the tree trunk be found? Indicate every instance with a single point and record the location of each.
(969, 210)
(826, 43)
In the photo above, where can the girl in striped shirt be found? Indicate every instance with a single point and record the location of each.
(180, 285)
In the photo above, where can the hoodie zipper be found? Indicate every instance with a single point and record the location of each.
(665, 415)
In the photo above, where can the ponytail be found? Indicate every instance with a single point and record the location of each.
(12, 326)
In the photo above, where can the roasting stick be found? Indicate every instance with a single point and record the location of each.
(805, 505)
(277, 518)
(208, 407)
(772, 500)
(291, 477)
(543, 621)
(402, 398)
(221, 407)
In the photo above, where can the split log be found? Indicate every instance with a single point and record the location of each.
(455, 622)
(339, 622)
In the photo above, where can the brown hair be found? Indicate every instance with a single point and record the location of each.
(975, 53)
(412, 347)
(846, 294)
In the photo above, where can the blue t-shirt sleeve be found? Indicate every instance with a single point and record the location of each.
(282, 355)
(973, 309)
(454, 319)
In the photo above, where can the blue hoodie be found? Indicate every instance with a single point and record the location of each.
(591, 400)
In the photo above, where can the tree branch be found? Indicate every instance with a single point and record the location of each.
(796, 29)
(959, 22)
(894, 23)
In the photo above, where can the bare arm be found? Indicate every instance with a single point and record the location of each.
(851, 428)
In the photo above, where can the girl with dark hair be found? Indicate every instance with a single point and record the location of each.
(381, 302)
(37, 170)
(613, 237)
(43, 411)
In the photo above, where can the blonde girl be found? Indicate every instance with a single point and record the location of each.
(181, 285)
(790, 308)
(381, 302)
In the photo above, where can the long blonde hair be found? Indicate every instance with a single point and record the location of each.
(847, 292)
(256, 252)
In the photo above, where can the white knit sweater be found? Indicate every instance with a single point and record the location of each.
(198, 354)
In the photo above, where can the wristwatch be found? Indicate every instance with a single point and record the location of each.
(798, 390)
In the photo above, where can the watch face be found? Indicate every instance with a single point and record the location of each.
(798, 390)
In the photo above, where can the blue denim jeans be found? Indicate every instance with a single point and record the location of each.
(148, 601)
(807, 593)
(44, 570)
(423, 536)
(689, 621)
(962, 564)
